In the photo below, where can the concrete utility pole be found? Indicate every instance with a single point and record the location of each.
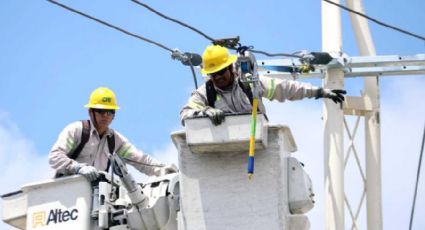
(333, 119)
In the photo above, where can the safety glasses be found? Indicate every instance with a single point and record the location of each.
(220, 72)
(108, 112)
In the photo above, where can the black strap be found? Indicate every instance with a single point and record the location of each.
(111, 147)
(85, 135)
(212, 93)
(247, 90)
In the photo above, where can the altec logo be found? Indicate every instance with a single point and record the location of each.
(55, 216)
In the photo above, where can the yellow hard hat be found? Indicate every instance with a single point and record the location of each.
(216, 58)
(102, 98)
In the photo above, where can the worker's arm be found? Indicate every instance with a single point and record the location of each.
(138, 159)
(67, 141)
(198, 106)
(281, 90)
(195, 105)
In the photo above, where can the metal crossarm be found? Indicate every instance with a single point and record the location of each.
(361, 66)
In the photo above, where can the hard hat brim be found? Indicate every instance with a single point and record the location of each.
(232, 58)
(99, 106)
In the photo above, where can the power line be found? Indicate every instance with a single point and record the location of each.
(275, 54)
(164, 16)
(417, 180)
(203, 34)
(173, 20)
(111, 26)
(376, 21)
(186, 58)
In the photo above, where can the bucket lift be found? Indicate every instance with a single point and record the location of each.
(215, 193)
(74, 203)
(210, 191)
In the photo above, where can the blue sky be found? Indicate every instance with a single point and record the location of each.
(52, 59)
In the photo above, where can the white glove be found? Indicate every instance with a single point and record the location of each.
(167, 169)
(89, 172)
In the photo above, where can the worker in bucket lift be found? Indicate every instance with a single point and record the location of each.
(83, 147)
(224, 93)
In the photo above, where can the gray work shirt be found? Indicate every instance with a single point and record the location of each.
(96, 151)
(235, 100)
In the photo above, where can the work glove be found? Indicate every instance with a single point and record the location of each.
(336, 95)
(89, 172)
(166, 169)
(216, 115)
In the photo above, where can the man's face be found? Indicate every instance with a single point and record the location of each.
(103, 118)
(222, 78)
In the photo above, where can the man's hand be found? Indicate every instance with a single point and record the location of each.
(336, 95)
(216, 115)
(89, 172)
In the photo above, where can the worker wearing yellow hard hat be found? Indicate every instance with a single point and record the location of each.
(216, 58)
(224, 93)
(102, 105)
(102, 98)
(84, 147)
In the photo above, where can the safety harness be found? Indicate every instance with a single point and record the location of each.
(212, 93)
(85, 136)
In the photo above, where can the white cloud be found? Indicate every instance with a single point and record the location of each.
(167, 154)
(19, 160)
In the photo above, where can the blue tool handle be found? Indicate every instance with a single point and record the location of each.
(251, 165)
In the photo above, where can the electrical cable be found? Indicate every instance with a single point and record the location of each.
(193, 74)
(166, 17)
(203, 34)
(111, 26)
(417, 181)
(275, 54)
(173, 20)
(189, 58)
(376, 21)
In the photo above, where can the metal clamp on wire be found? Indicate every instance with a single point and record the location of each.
(310, 59)
(189, 59)
(227, 42)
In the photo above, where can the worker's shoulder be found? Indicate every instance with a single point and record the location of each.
(201, 90)
(76, 125)
(73, 129)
